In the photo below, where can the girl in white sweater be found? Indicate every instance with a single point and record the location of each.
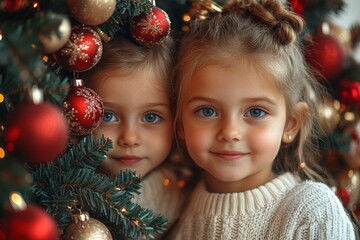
(246, 115)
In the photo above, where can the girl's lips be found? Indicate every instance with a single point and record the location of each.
(229, 155)
(129, 160)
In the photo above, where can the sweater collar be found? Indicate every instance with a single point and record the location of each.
(242, 202)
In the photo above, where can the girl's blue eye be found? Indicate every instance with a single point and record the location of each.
(206, 112)
(109, 117)
(151, 118)
(255, 113)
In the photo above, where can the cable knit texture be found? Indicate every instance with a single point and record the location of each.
(284, 208)
(164, 200)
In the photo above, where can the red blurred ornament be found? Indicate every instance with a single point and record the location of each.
(349, 92)
(83, 109)
(344, 195)
(298, 7)
(82, 52)
(150, 29)
(2, 235)
(32, 223)
(11, 5)
(36, 132)
(325, 54)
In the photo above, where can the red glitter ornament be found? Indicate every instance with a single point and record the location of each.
(82, 52)
(325, 55)
(83, 109)
(33, 223)
(36, 132)
(150, 29)
(349, 92)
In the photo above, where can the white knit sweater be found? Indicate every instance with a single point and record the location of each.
(284, 208)
(164, 199)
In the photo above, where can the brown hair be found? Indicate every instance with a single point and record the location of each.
(266, 32)
(124, 55)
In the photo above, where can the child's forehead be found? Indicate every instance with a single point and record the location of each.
(143, 76)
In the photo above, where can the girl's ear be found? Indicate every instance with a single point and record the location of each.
(295, 122)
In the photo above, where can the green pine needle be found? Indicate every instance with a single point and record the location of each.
(71, 183)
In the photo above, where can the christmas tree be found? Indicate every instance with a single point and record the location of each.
(48, 157)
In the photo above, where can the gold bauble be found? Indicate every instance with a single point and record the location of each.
(92, 12)
(53, 42)
(86, 228)
(329, 115)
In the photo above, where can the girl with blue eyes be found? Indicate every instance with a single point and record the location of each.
(133, 82)
(246, 116)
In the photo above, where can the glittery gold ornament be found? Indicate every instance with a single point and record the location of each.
(86, 228)
(51, 40)
(92, 12)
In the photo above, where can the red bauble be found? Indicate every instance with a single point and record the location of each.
(11, 5)
(349, 92)
(150, 29)
(36, 132)
(325, 55)
(83, 109)
(2, 235)
(343, 195)
(298, 7)
(33, 223)
(82, 52)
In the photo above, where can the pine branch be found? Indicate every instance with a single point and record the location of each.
(89, 153)
(127, 181)
(54, 89)
(72, 182)
(316, 11)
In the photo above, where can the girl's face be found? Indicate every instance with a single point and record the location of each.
(137, 119)
(233, 122)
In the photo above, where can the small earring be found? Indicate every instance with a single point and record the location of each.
(290, 137)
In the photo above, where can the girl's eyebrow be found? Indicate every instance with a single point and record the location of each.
(150, 104)
(246, 100)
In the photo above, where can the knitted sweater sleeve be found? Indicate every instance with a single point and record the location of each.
(322, 214)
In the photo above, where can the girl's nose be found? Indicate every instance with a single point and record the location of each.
(230, 130)
(129, 137)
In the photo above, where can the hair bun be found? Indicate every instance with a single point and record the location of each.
(284, 23)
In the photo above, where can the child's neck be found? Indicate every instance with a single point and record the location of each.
(215, 185)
